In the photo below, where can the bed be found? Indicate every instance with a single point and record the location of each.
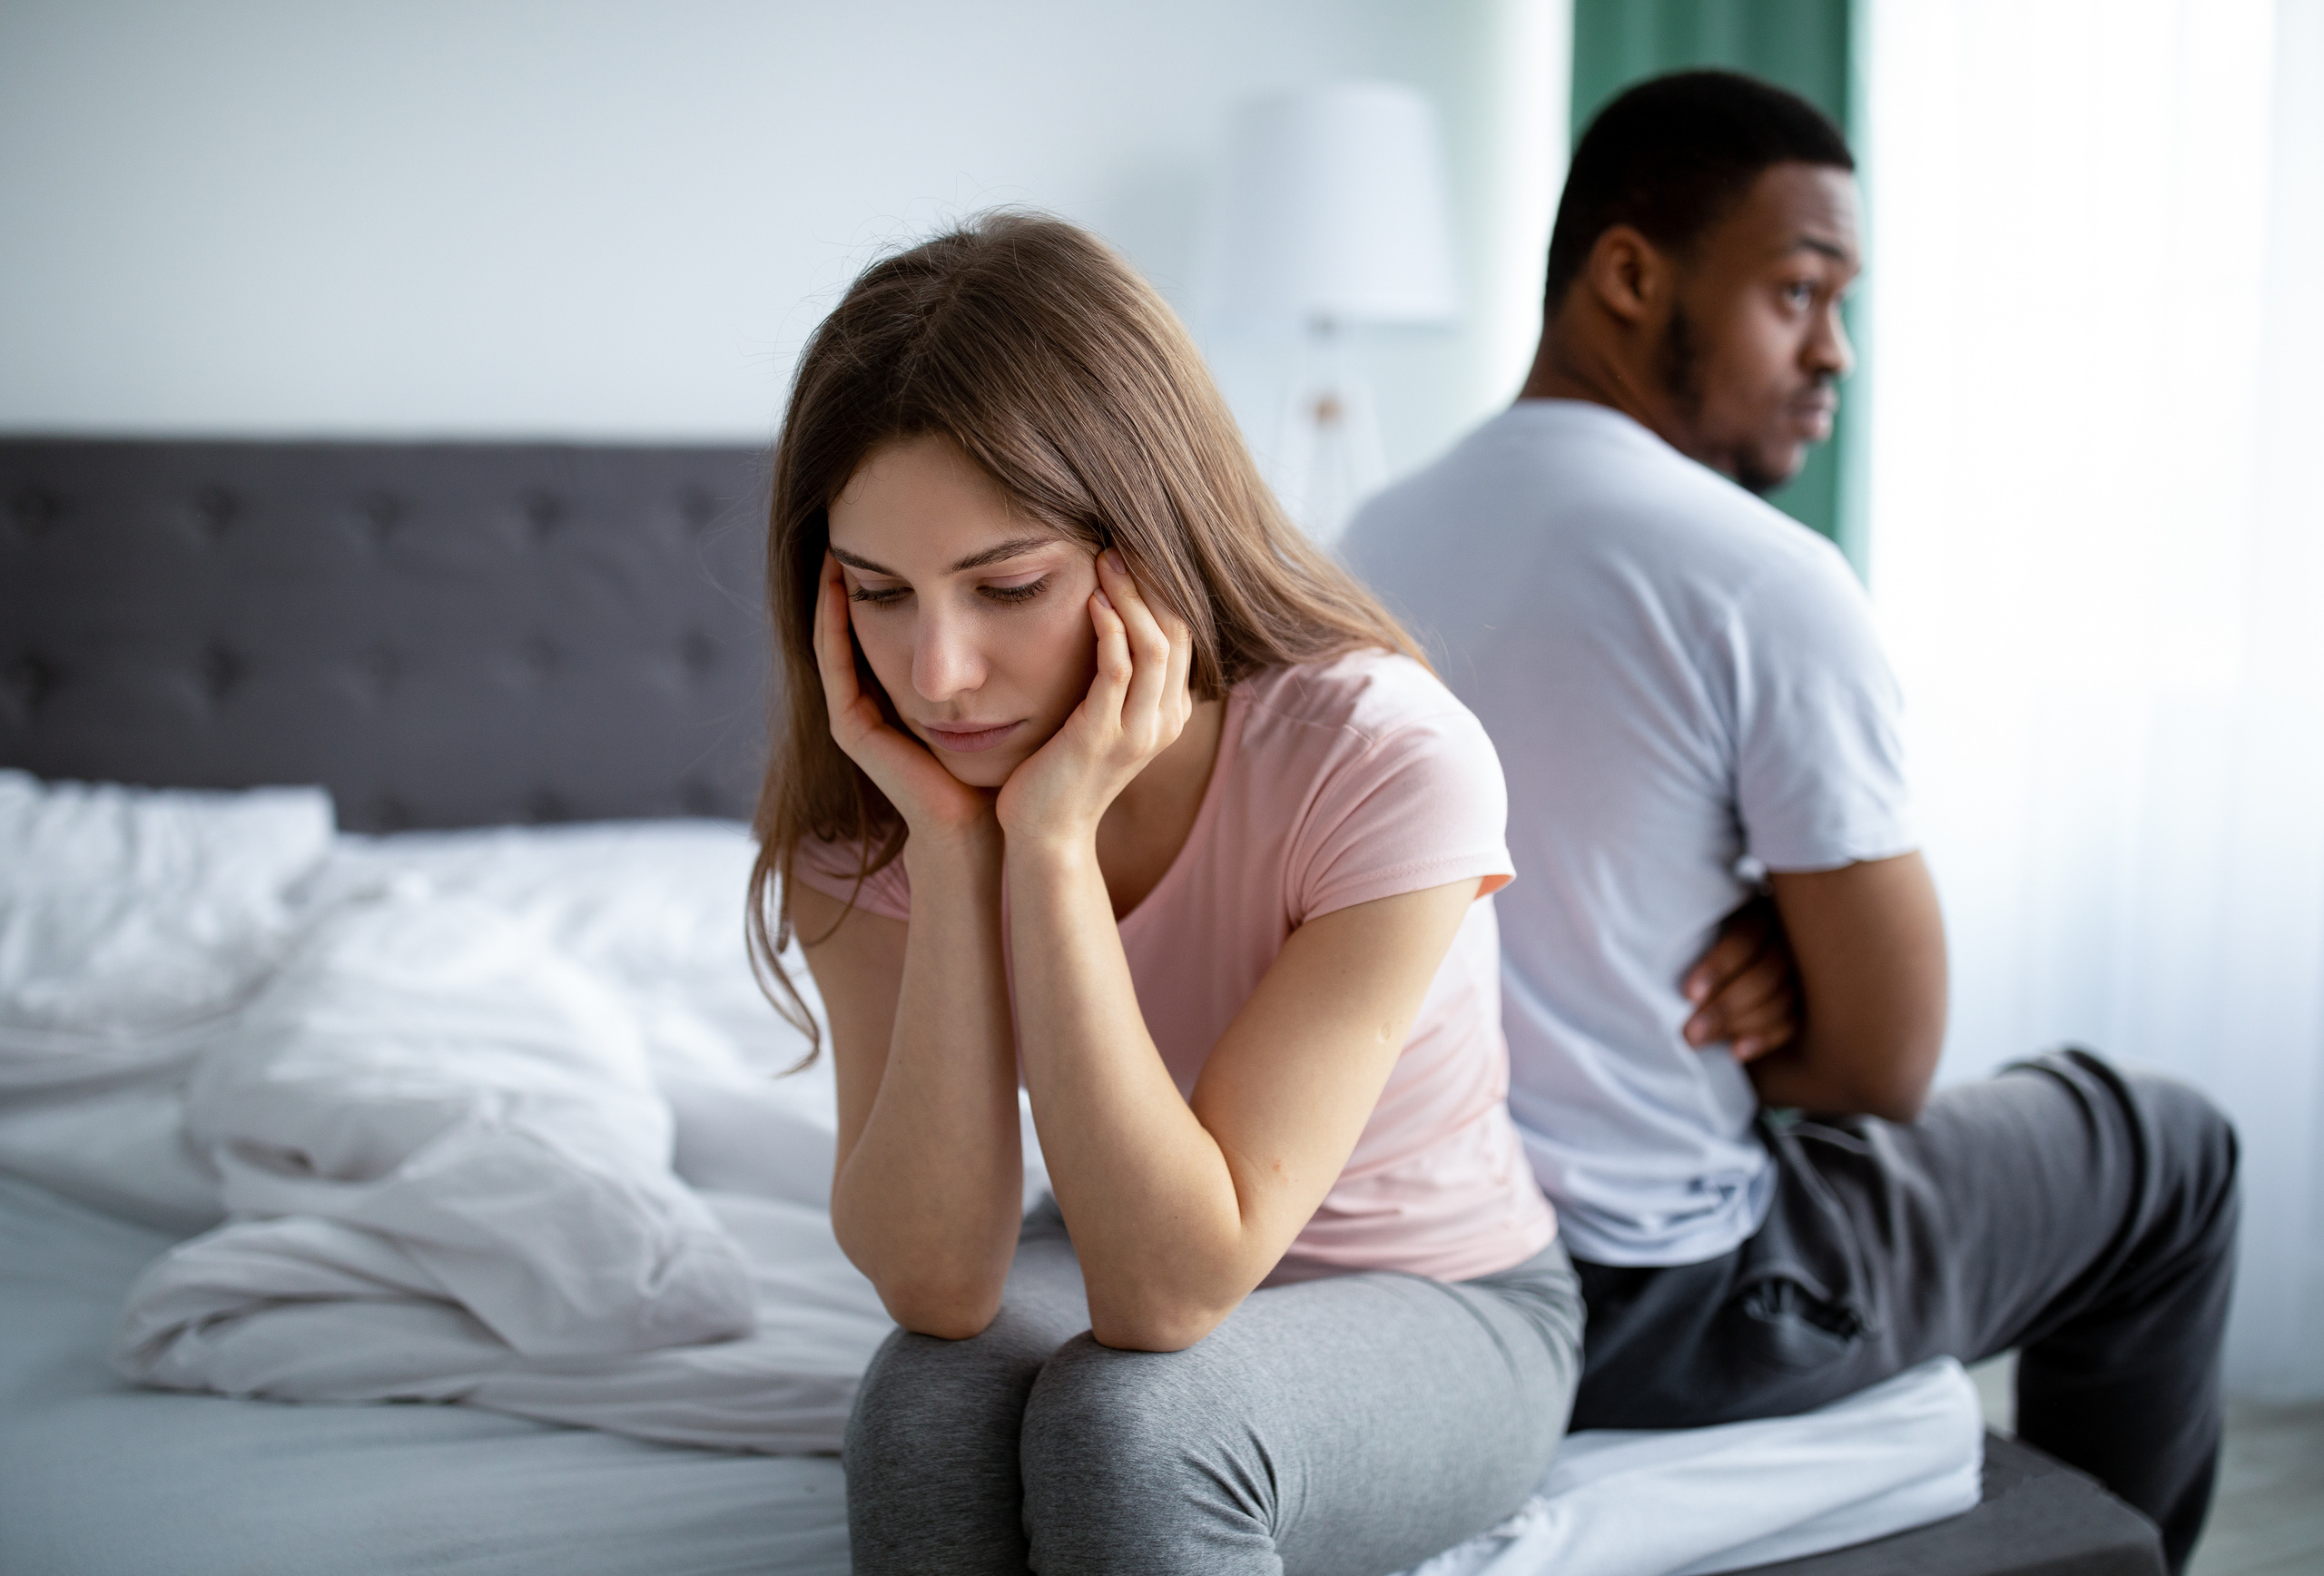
(517, 696)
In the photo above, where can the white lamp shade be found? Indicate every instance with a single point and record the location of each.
(1336, 211)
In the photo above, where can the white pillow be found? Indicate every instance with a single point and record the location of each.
(133, 919)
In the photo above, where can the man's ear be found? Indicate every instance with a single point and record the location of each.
(1630, 275)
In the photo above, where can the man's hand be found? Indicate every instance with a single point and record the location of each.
(1868, 941)
(1746, 988)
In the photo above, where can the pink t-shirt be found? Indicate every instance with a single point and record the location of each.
(1335, 783)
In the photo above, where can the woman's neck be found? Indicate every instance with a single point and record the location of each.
(1147, 823)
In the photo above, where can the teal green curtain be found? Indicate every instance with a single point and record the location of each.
(1801, 44)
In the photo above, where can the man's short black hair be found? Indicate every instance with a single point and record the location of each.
(1669, 156)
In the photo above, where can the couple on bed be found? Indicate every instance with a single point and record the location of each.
(1099, 777)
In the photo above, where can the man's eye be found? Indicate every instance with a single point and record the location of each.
(1800, 295)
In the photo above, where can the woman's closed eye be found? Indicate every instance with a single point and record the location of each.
(1018, 589)
(1010, 593)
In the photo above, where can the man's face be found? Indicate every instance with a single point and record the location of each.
(1753, 348)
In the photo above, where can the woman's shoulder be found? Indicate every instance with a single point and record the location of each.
(838, 868)
(1391, 781)
(1358, 697)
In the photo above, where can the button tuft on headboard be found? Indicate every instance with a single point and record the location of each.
(380, 669)
(699, 653)
(381, 513)
(222, 670)
(545, 513)
(697, 797)
(36, 512)
(390, 813)
(214, 509)
(26, 683)
(540, 658)
(545, 806)
(697, 508)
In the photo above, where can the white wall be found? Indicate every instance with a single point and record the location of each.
(2098, 548)
(611, 219)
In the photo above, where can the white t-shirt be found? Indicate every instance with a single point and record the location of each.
(1679, 679)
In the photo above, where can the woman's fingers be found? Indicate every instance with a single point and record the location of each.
(835, 650)
(1175, 682)
(1150, 650)
(1116, 669)
(834, 655)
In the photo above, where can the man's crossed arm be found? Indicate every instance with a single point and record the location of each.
(1832, 993)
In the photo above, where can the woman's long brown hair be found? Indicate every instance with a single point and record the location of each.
(1062, 375)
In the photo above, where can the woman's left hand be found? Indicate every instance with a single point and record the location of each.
(1138, 704)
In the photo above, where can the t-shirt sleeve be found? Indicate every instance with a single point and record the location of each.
(1819, 756)
(831, 869)
(1422, 806)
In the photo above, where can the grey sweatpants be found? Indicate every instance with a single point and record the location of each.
(2082, 1215)
(1354, 1425)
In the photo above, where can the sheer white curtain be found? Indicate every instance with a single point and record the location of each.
(2096, 351)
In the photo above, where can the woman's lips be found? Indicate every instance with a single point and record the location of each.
(967, 741)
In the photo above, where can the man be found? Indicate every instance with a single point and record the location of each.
(1689, 700)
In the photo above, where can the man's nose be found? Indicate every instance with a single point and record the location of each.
(945, 661)
(1828, 351)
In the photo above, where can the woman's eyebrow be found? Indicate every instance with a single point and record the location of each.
(1013, 547)
(996, 553)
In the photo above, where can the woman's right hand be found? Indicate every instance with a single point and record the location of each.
(932, 801)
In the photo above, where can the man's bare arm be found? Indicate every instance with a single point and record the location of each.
(1868, 941)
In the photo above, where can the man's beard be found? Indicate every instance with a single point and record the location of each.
(1753, 478)
(1679, 363)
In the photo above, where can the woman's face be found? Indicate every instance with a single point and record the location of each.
(976, 620)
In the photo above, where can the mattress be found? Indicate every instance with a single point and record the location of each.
(309, 1131)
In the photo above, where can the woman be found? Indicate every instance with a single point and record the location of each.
(1099, 775)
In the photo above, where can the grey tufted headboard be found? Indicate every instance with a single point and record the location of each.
(443, 635)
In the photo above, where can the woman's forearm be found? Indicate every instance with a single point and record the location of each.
(1145, 1188)
(928, 1200)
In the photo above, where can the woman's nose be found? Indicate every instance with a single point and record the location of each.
(944, 660)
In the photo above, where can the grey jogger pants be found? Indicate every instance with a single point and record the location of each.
(1351, 1425)
(2082, 1215)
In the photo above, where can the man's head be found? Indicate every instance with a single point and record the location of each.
(1707, 234)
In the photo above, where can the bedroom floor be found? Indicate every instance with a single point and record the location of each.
(2267, 1519)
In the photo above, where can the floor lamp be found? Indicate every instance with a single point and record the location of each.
(1335, 218)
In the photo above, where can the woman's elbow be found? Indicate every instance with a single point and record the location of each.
(1154, 1326)
(950, 1311)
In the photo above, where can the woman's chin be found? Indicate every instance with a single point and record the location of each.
(980, 768)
